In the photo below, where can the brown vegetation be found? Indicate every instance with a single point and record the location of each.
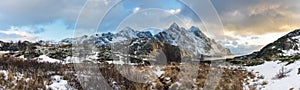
(175, 76)
(35, 74)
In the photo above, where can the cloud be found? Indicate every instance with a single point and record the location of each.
(244, 49)
(30, 29)
(172, 11)
(36, 12)
(258, 17)
(38, 30)
(242, 45)
(13, 35)
(240, 48)
(106, 2)
(135, 10)
(156, 18)
(249, 25)
(93, 11)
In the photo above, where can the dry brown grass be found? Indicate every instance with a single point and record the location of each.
(176, 76)
(232, 79)
(35, 75)
(189, 78)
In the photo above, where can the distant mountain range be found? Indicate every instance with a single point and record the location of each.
(175, 41)
(192, 40)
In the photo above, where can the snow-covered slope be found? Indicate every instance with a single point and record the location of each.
(268, 73)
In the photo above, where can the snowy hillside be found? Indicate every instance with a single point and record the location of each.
(276, 75)
(192, 40)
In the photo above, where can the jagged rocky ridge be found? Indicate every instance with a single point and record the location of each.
(189, 42)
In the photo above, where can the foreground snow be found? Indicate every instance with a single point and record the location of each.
(58, 83)
(5, 74)
(4, 52)
(158, 71)
(268, 72)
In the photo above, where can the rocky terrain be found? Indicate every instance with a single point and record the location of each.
(168, 58)
(57, 59)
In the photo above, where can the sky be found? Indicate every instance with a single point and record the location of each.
(247, 25)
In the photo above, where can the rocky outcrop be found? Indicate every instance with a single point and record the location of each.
(158, 50)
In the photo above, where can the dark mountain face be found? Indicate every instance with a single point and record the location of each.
(146, 34)
(193, 41)
(286, 46)
(157, 50)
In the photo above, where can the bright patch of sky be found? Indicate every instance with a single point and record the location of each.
(55, 31)
(51, 31)
(127, 8)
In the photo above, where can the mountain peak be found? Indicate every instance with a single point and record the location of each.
(126, 29)
(174, 25)
(194, 28)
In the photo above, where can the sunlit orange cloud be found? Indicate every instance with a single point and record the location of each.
(250, 25)
(262, 18)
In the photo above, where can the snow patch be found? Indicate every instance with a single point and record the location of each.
(290, 52)
(5, 73)
(44, 58)
(120, 62)
(4, 52)
(158, 71)
(58, 83)
(71, 60)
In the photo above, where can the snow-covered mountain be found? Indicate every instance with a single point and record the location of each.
(287, 45)
(191, 40)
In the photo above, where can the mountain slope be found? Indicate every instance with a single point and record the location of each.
(285, 46)
(192, 40)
